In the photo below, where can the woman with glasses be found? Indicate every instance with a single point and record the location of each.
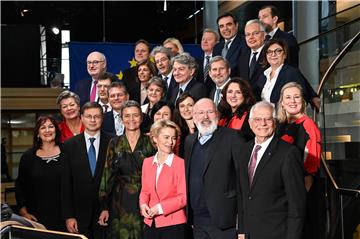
(268, 86)
(37, 187)
(235, 105)
(69, 104)
(121, 181)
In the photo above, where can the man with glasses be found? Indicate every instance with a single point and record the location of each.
(272, 191)
(162, 56)
(211, 156)
(84, 159)
(249, 64)
(103, 85)
(87, 89)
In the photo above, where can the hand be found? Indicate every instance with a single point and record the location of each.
(145, 210)
(154, 211)
(24, 213)
(241, 236)
(71, 225)
(103, 218)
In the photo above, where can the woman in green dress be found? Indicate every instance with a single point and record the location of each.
(121, 180)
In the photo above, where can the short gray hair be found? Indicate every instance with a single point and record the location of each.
(257, 21)
(263, 104)
(161, 49)
(67, 94)
(185, 59)
(213, 32)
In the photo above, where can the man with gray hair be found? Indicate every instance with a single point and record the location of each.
(208, 41)
(211, 156)
(271, 178)
(249, 63)
(184, 71)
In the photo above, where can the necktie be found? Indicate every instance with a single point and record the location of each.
(251, 169)
(252, 64)
(119, 128)
(92, 156)
(166, 81)
(206, 69)
(105, 108)
(217, 96)
(225, 49)
(93, 92)
(267, 37)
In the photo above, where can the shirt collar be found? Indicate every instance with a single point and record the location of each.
(258, 50)
(224, 84)
(168, 161)
(272, 33)
(266, 143)
(183, 87)
(268, 71)
(88, 136)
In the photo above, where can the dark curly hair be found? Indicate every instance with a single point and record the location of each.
(249, 99)
(37, 142)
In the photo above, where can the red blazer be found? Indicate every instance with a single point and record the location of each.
(170, 191)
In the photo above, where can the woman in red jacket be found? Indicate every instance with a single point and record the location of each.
(163, 192)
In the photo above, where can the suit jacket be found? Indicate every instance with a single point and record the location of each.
(243, 69)
(194, 88)
(236, 49)
(277, 198)
(82, 89)
(170, 191)
(171, 88)
(79, 188)
(200, 74)
(293, 56)
(287, 74)
(132, 83)
(218, 176)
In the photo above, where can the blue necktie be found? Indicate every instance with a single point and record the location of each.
(92, 156)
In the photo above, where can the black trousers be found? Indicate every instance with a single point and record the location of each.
(169, 232)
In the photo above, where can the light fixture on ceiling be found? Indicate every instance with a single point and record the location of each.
(23, 12)
(55, 30)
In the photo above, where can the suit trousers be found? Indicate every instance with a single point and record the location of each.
(212, 232)
(169, 232)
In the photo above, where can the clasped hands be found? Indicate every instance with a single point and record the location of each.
(148, 212)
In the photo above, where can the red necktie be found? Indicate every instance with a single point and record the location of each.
(93, 92)
(251, 169)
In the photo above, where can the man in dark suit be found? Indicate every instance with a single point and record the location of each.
(86, 89)
(83, 167)
(184, 70)
(249, 64)
(270, 174)
(162, 56)
(210, 158)
(233, 44)
(209, 38)
(220, 75)
(103, 85)
(112, 123)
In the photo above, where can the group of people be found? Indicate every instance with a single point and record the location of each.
(216, 147)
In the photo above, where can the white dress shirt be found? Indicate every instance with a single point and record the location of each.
(269, 85)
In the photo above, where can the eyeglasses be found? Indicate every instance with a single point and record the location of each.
(161, 60)
(254, 34)
(202, 113)
(95, 63)
(95, 117)
(276, 51)
(259, 120)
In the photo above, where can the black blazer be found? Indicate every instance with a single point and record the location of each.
(194, 88)
(82, 89)
(287, 74)
(79, 188)
(236, 49)
(243, 69)
(277, 198)
(171, 88)
(219, 176)
(200, 74)
(108, 124)
(293, 56)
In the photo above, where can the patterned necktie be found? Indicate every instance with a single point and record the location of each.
(225, 49)
(251, 169)
(92, 156)
(217, 96)
(119, 127)
(206, 69)
(252, 64)
(93, 92)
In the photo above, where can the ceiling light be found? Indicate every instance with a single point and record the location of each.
(55, 30)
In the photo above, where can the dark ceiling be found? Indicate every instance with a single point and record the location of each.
(118, 21)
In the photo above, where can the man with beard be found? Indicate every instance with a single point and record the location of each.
(210, 158)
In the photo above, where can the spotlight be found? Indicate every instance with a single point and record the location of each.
(55, 30)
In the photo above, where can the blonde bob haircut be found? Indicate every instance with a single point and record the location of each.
(161, 124)
(281, 113)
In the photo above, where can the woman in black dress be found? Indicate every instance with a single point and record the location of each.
(38, 182)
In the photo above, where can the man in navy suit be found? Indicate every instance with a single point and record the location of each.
(162, 56)
(208, 41)
(233, 44)
(249, 65)
(84, 159)
(269, 15)
(184, 70)
(86, 89)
